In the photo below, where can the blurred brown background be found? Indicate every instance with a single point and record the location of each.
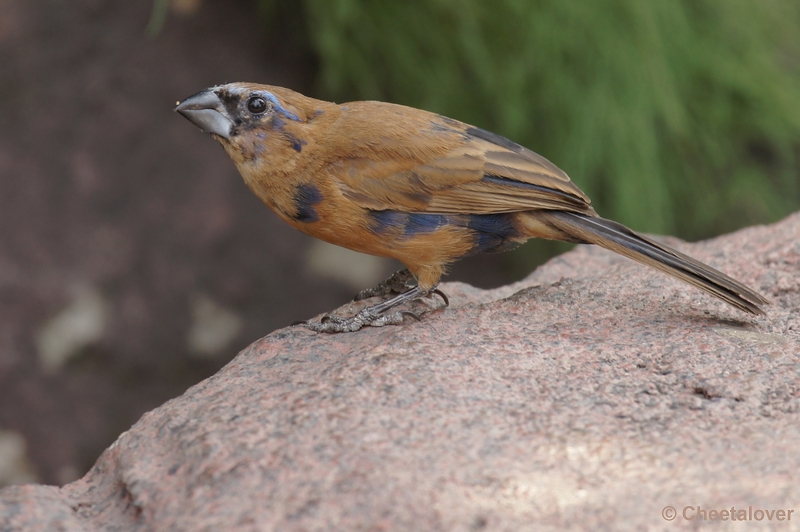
(134, 262)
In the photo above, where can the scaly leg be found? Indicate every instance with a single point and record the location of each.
(396, 284)
(373, 316)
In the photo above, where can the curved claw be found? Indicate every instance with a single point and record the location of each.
(299, 322)
(412, 314)
(443, 296)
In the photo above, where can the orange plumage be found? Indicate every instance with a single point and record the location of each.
(399, 182)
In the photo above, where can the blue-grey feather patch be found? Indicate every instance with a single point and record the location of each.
(305, 197)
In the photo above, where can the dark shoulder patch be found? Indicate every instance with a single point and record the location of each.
(405, 223)
(382, 222)
(305, 197)
(424, 223)
(494, 138)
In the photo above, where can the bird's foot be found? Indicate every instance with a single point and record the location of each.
(375, 315)
(335, 324)
(396, 284)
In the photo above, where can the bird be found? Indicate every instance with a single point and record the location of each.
(409, 184)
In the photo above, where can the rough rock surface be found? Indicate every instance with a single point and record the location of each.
(588, 397)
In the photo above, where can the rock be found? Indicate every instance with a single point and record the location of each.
(595, 395)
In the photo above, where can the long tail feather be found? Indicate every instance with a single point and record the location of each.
(618, 238)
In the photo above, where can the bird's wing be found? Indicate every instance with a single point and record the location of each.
(428, 163)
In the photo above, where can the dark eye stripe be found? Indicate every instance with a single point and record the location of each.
(280, 108)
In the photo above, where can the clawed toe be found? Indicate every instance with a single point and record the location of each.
(411, 314)
(377, 315)
(442, 295)
(334, 324)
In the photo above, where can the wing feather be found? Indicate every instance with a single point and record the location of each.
(447, 167)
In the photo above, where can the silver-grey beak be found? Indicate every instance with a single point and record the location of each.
(205, 110)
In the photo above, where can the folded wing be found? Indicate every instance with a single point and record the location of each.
(430, 163)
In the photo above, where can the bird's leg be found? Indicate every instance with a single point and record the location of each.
(373, 315)
(396, 284)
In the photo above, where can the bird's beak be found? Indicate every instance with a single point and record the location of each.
(205, 110)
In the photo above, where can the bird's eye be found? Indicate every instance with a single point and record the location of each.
(256, 105)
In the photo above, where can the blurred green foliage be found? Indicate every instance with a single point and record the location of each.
(677, 117)
(158, 17)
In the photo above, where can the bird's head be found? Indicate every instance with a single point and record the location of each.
(250, 120)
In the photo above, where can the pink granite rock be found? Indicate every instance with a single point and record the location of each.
(594, 395)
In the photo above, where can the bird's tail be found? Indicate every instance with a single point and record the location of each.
(618, 238)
